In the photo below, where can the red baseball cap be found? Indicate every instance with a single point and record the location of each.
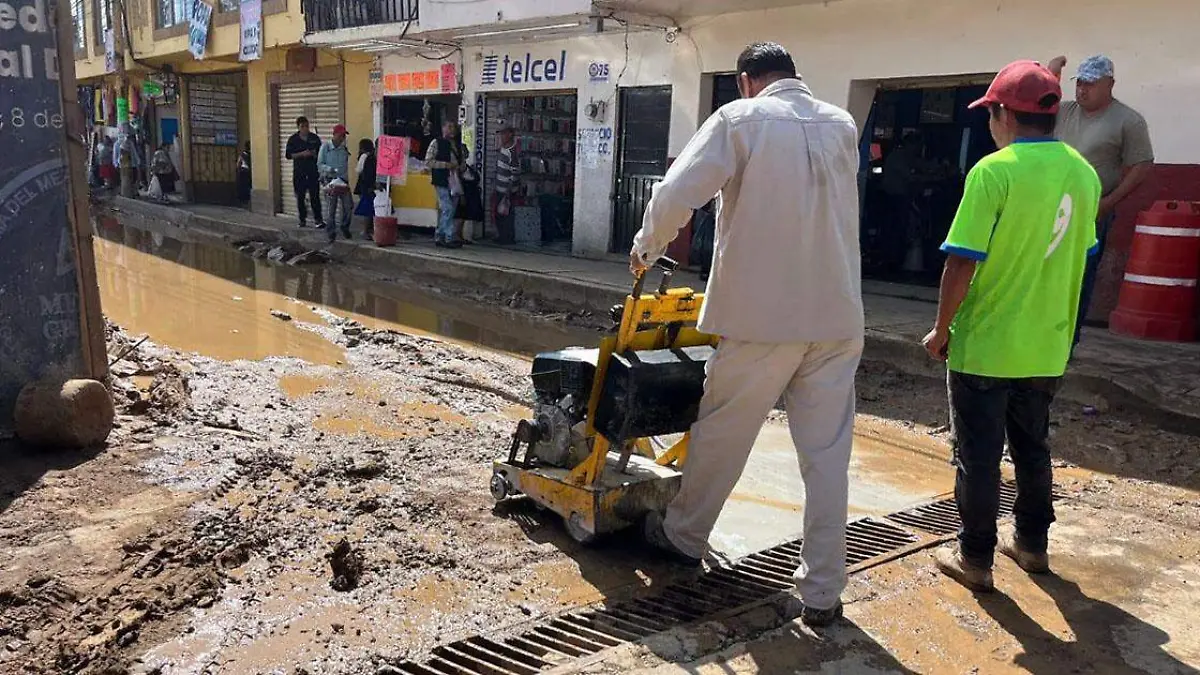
(1020, 86)
(339, 128)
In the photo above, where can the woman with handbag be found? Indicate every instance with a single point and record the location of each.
(364, 186)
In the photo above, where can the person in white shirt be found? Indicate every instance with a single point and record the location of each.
(784, 297)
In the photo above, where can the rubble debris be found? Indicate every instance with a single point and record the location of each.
(310, 258)
(281, 315)
(347, 566)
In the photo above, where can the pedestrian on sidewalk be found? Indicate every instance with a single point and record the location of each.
(785, 298)
(245, 175)
(364, 186)
(470, 207)
(302, 148)
(107, 165)
(508, 180)
(164, 172)
(333, 163)
(1006, 316)
(1114, 139)
(444, 157)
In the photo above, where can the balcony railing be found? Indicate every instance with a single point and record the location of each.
(322, 15)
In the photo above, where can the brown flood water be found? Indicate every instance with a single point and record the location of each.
(217, 301)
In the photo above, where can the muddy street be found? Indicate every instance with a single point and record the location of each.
(298, 484)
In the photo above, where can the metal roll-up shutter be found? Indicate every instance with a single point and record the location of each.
(321, 103)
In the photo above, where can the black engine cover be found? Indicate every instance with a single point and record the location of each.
(567, 371)
(653, 392)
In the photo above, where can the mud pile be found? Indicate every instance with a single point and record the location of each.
(286, 481)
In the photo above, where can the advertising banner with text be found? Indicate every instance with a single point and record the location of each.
(39, 296)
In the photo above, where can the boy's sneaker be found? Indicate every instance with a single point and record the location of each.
(1033, 563)
(953, 565)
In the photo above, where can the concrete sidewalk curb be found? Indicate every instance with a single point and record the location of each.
(1084, 383)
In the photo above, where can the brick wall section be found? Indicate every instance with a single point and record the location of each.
(1169, 181)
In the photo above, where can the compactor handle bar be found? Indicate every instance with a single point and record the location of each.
(668, 267)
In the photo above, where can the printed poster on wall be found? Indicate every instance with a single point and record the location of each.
(449, 77)
(392, 159)
(110, 52)
(198, 28)
(251, 22)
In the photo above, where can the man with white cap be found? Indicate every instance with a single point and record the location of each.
(1113, 137)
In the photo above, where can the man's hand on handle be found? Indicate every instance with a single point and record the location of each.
(637, 265)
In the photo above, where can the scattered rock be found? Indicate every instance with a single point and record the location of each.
(282, 316)
(365, 468)
(347, 566)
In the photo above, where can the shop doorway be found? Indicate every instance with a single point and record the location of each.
(321, 102)
(643, 128)
(419, 119)
(919, 142)
(544, 202)
(217, 110)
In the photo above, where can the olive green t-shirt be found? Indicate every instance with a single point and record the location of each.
(1111, 141)
(1028, 217)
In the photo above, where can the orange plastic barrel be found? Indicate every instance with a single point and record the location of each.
(1158, 298)
(385, 231)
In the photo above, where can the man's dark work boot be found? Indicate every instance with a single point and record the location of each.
(657, 537)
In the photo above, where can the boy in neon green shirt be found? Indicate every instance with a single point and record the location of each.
(1009, 299)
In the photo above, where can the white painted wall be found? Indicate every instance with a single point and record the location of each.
(649, 62)
(1153, 43)
(844, 46)
(453, 14)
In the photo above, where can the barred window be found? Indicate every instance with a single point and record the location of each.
(80, 20)
(104, 20)
(173, 12)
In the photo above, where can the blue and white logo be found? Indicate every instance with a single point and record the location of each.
(598, 71)
(523, 69)
(491, 63)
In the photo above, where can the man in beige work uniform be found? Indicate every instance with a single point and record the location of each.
(1114, 139)
(785, 297)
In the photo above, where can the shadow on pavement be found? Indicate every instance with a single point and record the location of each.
(24, 466)
(620, 566)
(1107, 639)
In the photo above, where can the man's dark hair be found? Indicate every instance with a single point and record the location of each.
(301, 120)
(766, 58)
(1042, 122)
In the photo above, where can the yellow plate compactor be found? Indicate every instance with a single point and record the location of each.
(590, 453)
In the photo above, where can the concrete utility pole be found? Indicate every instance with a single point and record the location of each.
(51, 327)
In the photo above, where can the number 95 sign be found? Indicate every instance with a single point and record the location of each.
(598, 71)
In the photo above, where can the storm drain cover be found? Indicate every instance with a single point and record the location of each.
(559, 640)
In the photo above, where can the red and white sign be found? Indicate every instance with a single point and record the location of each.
(392, 159)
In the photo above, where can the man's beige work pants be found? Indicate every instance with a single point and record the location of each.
(744, 382)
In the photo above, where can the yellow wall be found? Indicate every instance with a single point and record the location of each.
(224, 42)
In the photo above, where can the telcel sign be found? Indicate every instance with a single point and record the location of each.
(507, 69)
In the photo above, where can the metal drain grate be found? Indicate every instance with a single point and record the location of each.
(585, 632)
(940, 518)
(562, 639)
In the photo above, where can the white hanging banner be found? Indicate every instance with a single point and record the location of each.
(251, 22)
(198, 28)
